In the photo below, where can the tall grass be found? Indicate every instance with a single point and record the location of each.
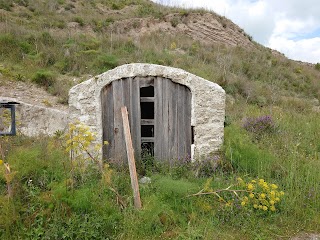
(38, 43)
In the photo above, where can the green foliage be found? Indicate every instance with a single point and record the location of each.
(8, 4)
(44, 78)
(245, 155)
(174, 22)
(79, 20)
(106, 62)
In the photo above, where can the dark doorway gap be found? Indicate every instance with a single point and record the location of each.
(147, 91)
(147, 110)
(147, 149)
(192, 134)
(147, 131)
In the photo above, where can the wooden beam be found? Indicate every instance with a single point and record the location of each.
(131, 161)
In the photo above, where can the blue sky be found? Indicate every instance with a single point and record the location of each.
(289, 26)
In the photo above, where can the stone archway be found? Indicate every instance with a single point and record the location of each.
(207, 102)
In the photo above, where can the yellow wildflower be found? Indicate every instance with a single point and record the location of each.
(1, 162)
(243, 203)
(265, 186)
(239, 179)
(255, 206)
(271, 202)
(251, 195)
(264, 208)
(253, 181)
(262, 195)
(277, 199)
(250, 187)
(281, 193)
(272, 208)
(274, 186)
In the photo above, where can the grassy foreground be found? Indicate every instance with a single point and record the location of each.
(53, 199)
(272, 133)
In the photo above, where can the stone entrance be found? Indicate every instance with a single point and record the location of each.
(172, 113)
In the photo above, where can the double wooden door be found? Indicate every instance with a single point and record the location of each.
(159, 116)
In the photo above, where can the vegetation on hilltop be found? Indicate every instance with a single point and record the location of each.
(271, 133)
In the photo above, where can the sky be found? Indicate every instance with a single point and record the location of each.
(290, 26)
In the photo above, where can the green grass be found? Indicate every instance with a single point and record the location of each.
(90, 210)
(36, 45)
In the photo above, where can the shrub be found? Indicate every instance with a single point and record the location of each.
(79, 20)
(259, 125)
(106, 62)
(6, 5)
(253, 195)
(44, 78)
(174, 22)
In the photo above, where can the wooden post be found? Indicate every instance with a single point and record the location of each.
(130, 155)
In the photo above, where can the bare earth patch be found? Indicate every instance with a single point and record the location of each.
(306, 236)
(29, 93)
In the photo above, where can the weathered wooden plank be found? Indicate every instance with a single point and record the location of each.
(131, 161)
(119, 153)
(181, 122)
(146, 81)
(158, 118)
(147, 99)
(147, 139)
(126, 94)
(147, 121)
(165, 118)
(135, 116)
(107, 120)
(173, 122)
(188, 136)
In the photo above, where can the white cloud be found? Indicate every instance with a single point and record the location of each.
(284, 25)
(307, 50)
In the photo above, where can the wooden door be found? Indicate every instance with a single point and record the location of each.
(159, 115)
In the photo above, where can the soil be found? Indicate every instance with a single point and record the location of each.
(29, 93)
(306, 236)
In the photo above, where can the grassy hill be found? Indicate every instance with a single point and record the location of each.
(272, 127)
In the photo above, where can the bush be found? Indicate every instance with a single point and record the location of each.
(79, 20)
(44, 78)
(174, 22)
(259, 125)
(106, 62)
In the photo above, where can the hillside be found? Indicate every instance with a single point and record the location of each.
(64, 42)
(271, 128)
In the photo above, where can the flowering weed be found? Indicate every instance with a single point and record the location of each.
(256, 194)
(259, 125)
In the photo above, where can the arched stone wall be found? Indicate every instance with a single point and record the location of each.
(207, 104)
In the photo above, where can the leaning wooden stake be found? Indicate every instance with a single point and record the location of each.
(131, 161)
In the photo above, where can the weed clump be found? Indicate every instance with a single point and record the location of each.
(259, 125)
(253, 195)
(44, 78)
